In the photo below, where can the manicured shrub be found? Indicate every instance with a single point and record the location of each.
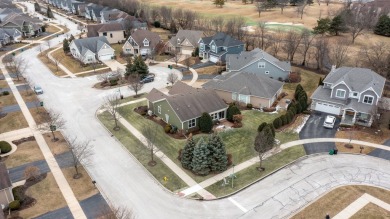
(5, 93)
(113, 82)
(277, 123)
(237, 118)
(18, 194)
(5, 147)
(219, 159)
(205, 123)
(14, 205)
(272, 129)
(231, 111)
(261, 126)
(167, 128)
(249, 106)
(284, 119)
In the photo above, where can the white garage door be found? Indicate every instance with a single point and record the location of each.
(105, 57)
(213, 59)
(186, 51)
(144, 52)
(328, 108)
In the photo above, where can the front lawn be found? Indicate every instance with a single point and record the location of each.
(118, 50)
(12, 121)
(251, 174)
(73, 64)
(26, 152)
(239, 142)
(309, 82)
(50, 64)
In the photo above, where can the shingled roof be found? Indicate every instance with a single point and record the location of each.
(192, 36)
(139, 36)
(94, 44)
(357, 79)
(246, 83)
(95, 29)
(5, 181)
(222, 39)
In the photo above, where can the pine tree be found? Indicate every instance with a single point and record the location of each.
(140, 66)
(49, 13)
(65, 46)
(201, 158)
(261, 126)
(37, 7)
(322, 26)
(219, 160)
(205, 123)
(382, 27)
(231, 111)
(129, 67)
(187, 153)
(71, 38)
(336, 25)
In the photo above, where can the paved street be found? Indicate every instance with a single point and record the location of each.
(382, 153)
(16, 107)
(314, 129)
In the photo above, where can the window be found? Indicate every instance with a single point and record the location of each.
(340, 93)
(234, 96)
(128, 50)
(192, 123)
(261, 65)
(89, 58)
(368, 99)
(104, 33)
(159, 109)
(266, 72)
(214, 116)
(221, 114)
(146, 42)
(213, 48)
(201, 46)
(355, 94)
(243, 98)
(111, 35)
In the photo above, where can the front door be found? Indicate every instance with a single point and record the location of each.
(221, 115)
(166, 118)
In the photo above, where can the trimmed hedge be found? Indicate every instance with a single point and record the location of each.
(261, 127)
(5, 147)
(14, 205)
(231, 111)
(277, 123)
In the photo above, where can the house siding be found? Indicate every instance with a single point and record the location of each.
(274, 72)
(165, 109)
(340, 86)
(117, 36)
(232, 50)
(126, 46)
(255, 101)
(6, 196)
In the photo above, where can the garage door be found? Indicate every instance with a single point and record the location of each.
(213, 59)
(186, 51)
(105, 57)
(144, 52)
(328, 108)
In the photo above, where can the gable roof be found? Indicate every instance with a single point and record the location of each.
(139, 36)
(238, 61)
(94, 44)
(5, 181)
(191, 102)
(246, 84)
(9, 32)
(357, 79)
(95, 29)
(192, 36)
(222, 39)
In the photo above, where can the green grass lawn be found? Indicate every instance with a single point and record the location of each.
(239, 142)
(251, 174)
(72, 64)
(135, 147)
(118, 50)
(309, 81)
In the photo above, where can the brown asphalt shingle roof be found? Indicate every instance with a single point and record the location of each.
(5, 181)
(139, 36)
(94, 30)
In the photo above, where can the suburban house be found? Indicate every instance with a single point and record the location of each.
(113, 32)
(75, 7)
(96, 12)
(141, 42)
(28, 26)
(90, 50)
(88, 10)
(183, 105)
(81, 8)
(185, 42)
(259, 62)
(9, 36)
(215, 48)
(351, 92)
(6, 195)
(246, 88)
(107, 15)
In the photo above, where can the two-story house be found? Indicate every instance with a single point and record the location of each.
(353, 93)
(27, 25)
(141, 42)
(96, 12)
(114, 32)
(259, 62)
(90, 50)
(184, 43)
(215, 48)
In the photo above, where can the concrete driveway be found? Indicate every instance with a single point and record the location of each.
(314, 129)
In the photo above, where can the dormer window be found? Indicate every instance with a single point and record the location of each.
(146, 42)
(178, 41)
(355, 94)
(368, 99)
(213, 48)
(340, 93)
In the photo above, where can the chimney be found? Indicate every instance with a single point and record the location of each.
(333, 68)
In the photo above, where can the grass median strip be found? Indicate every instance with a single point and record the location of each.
(142, 154)
(251, 174)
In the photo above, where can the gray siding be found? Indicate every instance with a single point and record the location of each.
(274, 72)
(368, 92)
(340, 86)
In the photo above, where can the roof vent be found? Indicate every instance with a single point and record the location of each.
(188, 106)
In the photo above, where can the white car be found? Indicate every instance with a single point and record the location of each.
(329, 121)
(38, 90)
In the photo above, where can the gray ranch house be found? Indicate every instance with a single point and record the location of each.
(215, 48)
(259, 62)
(353, 93)
(183, 105)
(90, 50)
(246, 88)
(184, 43)
(9, 36)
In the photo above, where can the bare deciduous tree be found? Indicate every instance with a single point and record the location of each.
(338, 52)
(52, 121)
(276, 42)
(307, 39)
(135, 83)
(301, 8)
(187, 62)
(112, 102)
(149, 131)
(18, 66)
(282, 4)
(321, 51)
(115, 213)
(359, 19)
(217, 23)
(176, 55)
(57, 62)
(261, 32)
(292, 42)
(377, 57)
(172, 78)
(103, 77)
(81, 152)
(31, 173)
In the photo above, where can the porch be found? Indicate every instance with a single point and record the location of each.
(351, 117)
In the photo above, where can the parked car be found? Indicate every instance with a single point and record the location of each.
(329, 121)
(38, 89)
(147, 79)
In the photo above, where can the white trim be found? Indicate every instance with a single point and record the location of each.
(345, 92)
(159, 109)
(370, 88)
(251, 63)
(372, 101)
(342, 82)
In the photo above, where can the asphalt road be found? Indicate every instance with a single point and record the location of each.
(16, 108)
(22, 87)
(382, 153)
(314, 129)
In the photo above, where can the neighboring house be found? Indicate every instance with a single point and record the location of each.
(88, 10)
(90, 50)
(6, 195)
(351, 92)
(75, 7)
(114, 32)
(141, 42)
(96, 11)
(184, 105)
(259, 62)
(184, 42)
(258, 90)
(9, 36)
(215, 48)
(28, 26)
(106, 15)
(81, 8)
